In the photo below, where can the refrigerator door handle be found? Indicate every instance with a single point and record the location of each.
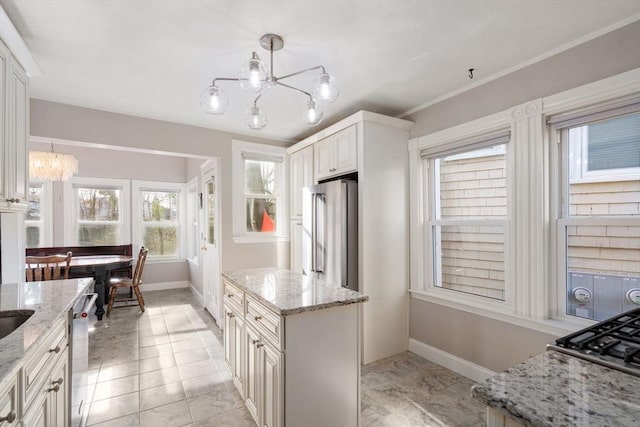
(320, 244)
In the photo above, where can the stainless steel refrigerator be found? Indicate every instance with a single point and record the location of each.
(330, 232)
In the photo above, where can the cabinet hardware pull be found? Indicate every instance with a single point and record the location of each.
(260, 345)
(255, 341)
(10, 417)
(56, 388)
(13, 200)
(258, 318)
(232, 315)
(58, 381)
(230, 295)
(55, 350)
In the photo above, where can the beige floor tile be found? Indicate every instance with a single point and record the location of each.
(161, 395)
(132, 420)
(190, 356)
(213, 404)
(196, 369)
(159, 377)
(235, 418)
(203, 384)
(187, 345)
(117, 387)
(155, 363)
(183, 336)
(116, 407)
(154, 340)
(155, 350)
(171, 415)
(152, 330)
(118, 371)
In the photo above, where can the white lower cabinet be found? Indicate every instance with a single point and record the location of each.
(50, 404)
(9, 404)
(312, 380)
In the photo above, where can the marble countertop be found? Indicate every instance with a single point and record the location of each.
(51, 301)
(555, 389)
(287, 292)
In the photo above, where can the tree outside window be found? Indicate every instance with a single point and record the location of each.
(98, 216)
(260, 195)
(160, 222)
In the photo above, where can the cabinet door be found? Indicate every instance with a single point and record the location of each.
(16, 164)
(272, 386)
(4, 116)
(301, 166)
(59, 392)
(324, 158)
(238, 353)
(295, 248)
(346, 151)
(39, 412)
(252, 373)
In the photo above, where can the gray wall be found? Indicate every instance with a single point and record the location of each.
(50, 119)
(493, 344)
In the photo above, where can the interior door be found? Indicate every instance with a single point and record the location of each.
(211, 244)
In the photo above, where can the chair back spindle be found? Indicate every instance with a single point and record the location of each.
(52, 267)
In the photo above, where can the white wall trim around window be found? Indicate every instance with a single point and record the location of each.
(242, 149)
(531, 287)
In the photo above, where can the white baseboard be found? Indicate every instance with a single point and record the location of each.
(461, 366)
(197, 294)
(161, 286)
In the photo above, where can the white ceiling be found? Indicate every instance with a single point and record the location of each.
(153, 58)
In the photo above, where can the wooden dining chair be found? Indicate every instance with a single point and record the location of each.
(51, 267)
(133, 283)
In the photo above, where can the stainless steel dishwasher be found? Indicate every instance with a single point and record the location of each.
(80, 359)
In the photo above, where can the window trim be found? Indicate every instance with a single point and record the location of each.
(192, 187)
(248, 150)
(137, 229)
(46, 214)
(71, 206)
(536, 302)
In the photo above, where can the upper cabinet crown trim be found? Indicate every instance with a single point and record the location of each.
(360, 116)
(14, 42)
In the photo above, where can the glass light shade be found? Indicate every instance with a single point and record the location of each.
(51, 166)
(325, 89)
(253, 74)
(313, 114)
(255, 118)
(213, 100)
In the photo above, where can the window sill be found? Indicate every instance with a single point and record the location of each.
(260, 239)
(164, 260)
(193, 261)
(556, 327)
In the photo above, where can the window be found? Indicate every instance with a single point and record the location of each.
(599, 220)
(38, 217)
(259, 189)
(467, 216)
(156, 218)
(98, 212)
(193, 209)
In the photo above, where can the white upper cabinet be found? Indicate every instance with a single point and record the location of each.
(337, 154)
(14, 119)
(301, 169)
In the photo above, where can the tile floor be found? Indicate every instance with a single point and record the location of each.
(166, 368)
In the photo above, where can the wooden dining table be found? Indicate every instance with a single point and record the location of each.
(100, 267)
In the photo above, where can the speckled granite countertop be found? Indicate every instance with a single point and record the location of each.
(287, 292)
(554, 389)
(50, 300)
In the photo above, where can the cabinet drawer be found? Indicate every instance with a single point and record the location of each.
(265, 321)
(8, 403)
(234, 296)
(37, 368)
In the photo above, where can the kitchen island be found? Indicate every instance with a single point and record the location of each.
(30, 355)
(293, 347)
(555, 389)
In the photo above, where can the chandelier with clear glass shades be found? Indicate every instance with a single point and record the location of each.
(255, 77)
(51, 166)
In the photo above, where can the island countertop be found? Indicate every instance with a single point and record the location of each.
(555, 389)
(288, 292)
(51, 301)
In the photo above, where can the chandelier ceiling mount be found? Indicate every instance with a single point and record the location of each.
(254, 76)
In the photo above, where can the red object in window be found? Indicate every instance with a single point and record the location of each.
(267, 223)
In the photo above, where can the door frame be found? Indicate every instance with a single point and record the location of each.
(211, 169)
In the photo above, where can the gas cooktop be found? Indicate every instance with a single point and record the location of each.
(614, 343)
